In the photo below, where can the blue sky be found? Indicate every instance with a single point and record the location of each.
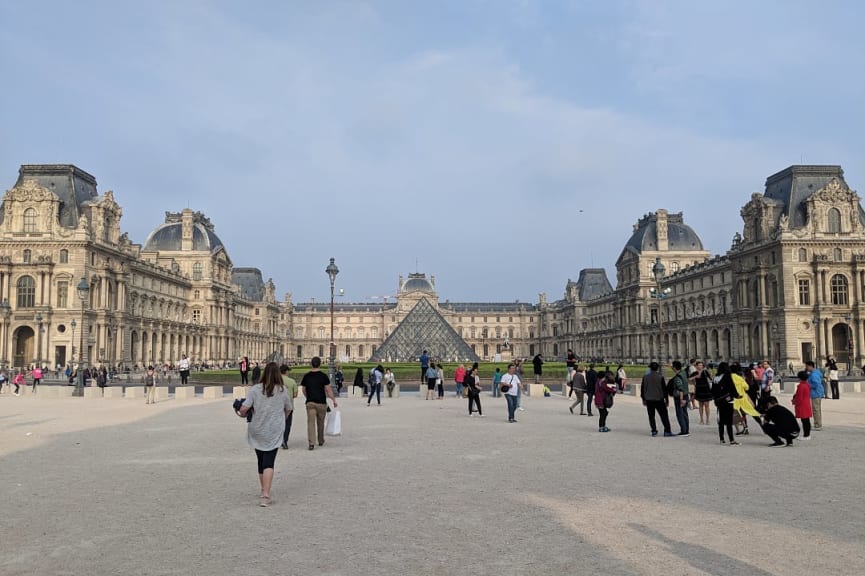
(461, 139)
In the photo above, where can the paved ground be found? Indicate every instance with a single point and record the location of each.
(416, 487)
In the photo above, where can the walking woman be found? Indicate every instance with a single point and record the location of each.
(471, 383)
(37, 377)
(150, 385)
(244, 371)
(605, 389)
(376, 377)
(702, 391)
(724, 392)
(271, 405)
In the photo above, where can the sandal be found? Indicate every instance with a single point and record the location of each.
(265, 501)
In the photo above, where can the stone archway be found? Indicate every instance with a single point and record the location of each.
(841, 342)
(23, 346)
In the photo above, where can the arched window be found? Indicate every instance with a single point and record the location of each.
(833, 221)
(196, 271)
(803, 255)
(30, 216)
(26, 289)
(839, 290)
(64, 256)
(360, 332)
(197, 294)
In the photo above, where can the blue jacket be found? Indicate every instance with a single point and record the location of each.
(815, 381)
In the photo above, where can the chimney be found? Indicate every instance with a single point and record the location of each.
(661, 227)
(186, 238)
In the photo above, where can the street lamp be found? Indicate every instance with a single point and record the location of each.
(83, 289)
(332, 271)
(850, 359)
(40, 328)
(659, 294)
(6, 311)
(72, 357)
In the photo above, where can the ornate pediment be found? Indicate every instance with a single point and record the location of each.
(31, 191)
(835, 192)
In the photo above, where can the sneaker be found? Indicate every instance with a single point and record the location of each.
(512, 421)
(312, 446)
(775, 444)
(571, 408)
(805, 438)
(789, 445)
(668, 434)
(521, 408)
(604, 429)
(601, 430)
(683, 434)
(481, 416)
(471, 413)
(654, 433)
(723, 442)
(734, 443)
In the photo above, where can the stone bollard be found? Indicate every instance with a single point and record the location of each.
(239, 392)
(535, 390)
(395, 391)
(113, 392)
(184, 392)
(161, 393)
(92, 392)
(135, 392)
(212, 392)
(357, 392)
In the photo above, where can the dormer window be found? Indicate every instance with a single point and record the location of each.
(30, 216)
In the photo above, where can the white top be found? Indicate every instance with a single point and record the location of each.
(183, 364)
(514, 381)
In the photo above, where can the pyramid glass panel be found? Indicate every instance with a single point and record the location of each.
(424, 328)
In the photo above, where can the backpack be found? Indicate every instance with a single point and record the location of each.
(670, 386)
(372, 380)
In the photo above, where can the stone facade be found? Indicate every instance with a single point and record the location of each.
(789, 289)
(145, 305)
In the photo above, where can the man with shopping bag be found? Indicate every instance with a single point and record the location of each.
(316, 389)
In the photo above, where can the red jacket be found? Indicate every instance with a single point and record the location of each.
(602, 390)
(802, 400)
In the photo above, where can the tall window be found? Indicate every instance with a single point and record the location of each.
(839, 290)
(803, 255)
(321, 332)
(196, 316)
(26, 292)
(804, 293)
(62, 294)
(833, 221)
(30, 220)
(196, 271)
(64, 256)
(360, 332)
(28, 255)
(373, 332)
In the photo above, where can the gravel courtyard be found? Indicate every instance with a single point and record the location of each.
(415, 487)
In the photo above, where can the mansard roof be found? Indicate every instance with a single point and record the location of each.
(795, 184)
(72, 185)
(250, 282)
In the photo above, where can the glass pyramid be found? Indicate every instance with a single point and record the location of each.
(424, 328)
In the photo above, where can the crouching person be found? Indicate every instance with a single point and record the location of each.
(779, 423)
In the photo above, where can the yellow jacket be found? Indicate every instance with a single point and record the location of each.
(743, 403)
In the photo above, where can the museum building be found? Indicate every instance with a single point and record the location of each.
(74, 287)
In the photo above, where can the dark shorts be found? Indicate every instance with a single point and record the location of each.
(431, 383)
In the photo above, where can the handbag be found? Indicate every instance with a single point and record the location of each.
(608, 400)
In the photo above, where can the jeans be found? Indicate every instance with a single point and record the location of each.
(833, 384)
(512, 406)
(660, 407)
(315, 414)
(459, 389)
(288, 420)
(602, 417)
(590, 395)
(375, 389)
(476, 399)
(725, 419)
(682, 414)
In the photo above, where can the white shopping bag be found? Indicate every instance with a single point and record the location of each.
(333, 423)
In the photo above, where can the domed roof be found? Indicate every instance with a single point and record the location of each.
(680, 236)
(169, 236)
(417, 282)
